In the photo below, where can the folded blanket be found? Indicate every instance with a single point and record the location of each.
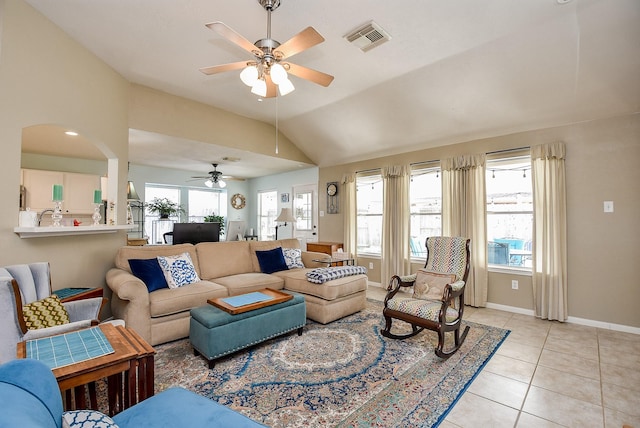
(322, 275)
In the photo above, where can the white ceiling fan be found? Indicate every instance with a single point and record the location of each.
(268, 68)
(215, 178)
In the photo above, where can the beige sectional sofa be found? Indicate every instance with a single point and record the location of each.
(225, 269)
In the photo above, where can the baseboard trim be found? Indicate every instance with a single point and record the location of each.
(573, 320)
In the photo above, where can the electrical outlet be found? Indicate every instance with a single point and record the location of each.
(514, 284)
(370, 265)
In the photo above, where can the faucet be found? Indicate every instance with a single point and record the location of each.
(42, 213)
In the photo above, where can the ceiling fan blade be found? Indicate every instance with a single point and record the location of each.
(301, 41)
(227, 177)
(234, 37)
(196, 177)
(272, 89)
(314, 76)
(224, 67)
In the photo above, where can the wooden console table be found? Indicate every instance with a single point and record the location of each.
(324, 247)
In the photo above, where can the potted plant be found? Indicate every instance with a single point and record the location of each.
(215, 218)
(164, 207)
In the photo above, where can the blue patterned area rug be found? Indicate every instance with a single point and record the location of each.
(344, 374)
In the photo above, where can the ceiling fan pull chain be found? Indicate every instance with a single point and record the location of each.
(277, 123)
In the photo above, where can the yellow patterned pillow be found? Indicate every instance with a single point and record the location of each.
(44, 313)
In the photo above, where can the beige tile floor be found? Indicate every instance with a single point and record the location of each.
(550, 374)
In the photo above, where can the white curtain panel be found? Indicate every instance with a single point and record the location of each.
(395, 222)
(464, 214)
(350, 243)
(549, 231)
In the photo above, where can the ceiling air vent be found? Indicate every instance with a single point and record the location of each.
(368, 36)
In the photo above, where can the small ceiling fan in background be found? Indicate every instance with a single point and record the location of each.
(215, 178)
(268, 68)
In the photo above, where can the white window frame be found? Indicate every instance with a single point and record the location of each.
(512, 200)
(267, 212)
(425, 206)
(369, 213)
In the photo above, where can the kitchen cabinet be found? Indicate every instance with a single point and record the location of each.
(77, 190)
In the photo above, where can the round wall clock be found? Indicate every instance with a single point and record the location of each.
(238, 201)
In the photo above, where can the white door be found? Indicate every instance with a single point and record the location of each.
(305, 211)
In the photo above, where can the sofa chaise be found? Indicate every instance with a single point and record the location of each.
(224, 269)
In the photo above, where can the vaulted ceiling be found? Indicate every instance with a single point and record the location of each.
(452, 71)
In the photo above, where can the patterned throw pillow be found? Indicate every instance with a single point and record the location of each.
(178, 270)
(430, 285)
(44, 313)
(86, 419)
(293, 257)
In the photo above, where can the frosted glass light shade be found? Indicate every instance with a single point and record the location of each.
(249, 75)
(278, 74)
(285, 87)
(260, 88)
(220, 184)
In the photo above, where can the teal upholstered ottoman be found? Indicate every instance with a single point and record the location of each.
(215, 333)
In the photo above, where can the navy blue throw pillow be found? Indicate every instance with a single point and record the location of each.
(150, 272)
(271, 260)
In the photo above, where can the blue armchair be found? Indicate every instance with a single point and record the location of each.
(26, 283)
(30, 398)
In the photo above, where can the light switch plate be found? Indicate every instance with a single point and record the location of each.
(608, 206)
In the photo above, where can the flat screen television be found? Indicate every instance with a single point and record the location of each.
(192, 233)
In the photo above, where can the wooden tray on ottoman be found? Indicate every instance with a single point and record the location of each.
(275, 298)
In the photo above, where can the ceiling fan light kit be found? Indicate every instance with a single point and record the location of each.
(214, 179)
(267, 71)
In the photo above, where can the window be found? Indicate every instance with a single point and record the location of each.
(509, 212)
(267, 213)
(151, 221)
(206, 202)
(425, 199)
(303, 211)
(369, 217)
(199, 203)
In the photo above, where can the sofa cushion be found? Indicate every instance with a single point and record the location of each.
(252, 281)
(152, 251)
(271, 260)
(178, 270)
(47, 312)
(219, 259)
(169, 301)
(177, 407)
(149, 271)
(296, 280)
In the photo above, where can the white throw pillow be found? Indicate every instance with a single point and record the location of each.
(86, 419)
(293, 257)
(178, 270)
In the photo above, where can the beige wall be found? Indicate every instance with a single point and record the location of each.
(602, 165)
(46, 78)
(155, 111)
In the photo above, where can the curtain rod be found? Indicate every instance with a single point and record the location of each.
(517, 149)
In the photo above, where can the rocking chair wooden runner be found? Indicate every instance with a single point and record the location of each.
(437, 302)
